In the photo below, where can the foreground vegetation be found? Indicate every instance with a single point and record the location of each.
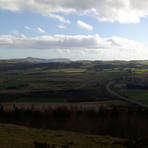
(13, 136)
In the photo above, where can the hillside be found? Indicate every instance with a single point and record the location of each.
(31, 59)
(23, 137)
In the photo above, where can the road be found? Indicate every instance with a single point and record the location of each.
(123, 98)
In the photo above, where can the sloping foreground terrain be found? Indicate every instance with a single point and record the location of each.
(12, 136)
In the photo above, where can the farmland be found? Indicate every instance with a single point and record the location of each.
(138, 95)
(73, 96)
(39, 100)
(79, 81)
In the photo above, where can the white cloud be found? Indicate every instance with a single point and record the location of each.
(61, 26)
(15, 32)
(63, 51)
(38, 29)
(23, 36)
(28, 28)
(79, 46)
(59, 18)
(124, 11)
(81, 24)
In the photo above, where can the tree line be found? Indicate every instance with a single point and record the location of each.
(125, 123)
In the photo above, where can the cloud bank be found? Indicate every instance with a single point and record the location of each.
(123, 11)
(79, 46)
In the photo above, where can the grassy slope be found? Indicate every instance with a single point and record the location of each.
(23, 137)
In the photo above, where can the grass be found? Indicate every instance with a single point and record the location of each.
(23, 137)
(138, 72)
(69, 70)
(40, 100)
(144, 62)
(144, 70)
(135, 93)
(13, 83)
(114, 102)
(144, 101)
(139, 95)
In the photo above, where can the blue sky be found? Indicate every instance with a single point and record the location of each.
(90, 30)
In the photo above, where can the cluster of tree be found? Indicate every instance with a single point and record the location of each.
(113, 122)
(6, 97)
(137, 86)
(137, 83)
(70, 95)
(104, 66)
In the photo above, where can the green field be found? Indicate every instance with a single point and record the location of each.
(144, 101)
(139, 95)
(40, 100)
(114, 102)
(135, 93)
(68, 70)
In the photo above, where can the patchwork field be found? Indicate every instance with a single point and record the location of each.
(82, 81)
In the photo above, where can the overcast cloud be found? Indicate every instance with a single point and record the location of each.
(89, 45)
(124, 11)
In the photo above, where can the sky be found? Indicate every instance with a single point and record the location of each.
(74, 29)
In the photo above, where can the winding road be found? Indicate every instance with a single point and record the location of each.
(123, 98)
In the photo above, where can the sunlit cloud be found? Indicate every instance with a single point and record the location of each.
(61, 26)
(38, 29)
(59, 18)
(81, 24)
(28, 28)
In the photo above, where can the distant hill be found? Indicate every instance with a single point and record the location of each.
(31, 59)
